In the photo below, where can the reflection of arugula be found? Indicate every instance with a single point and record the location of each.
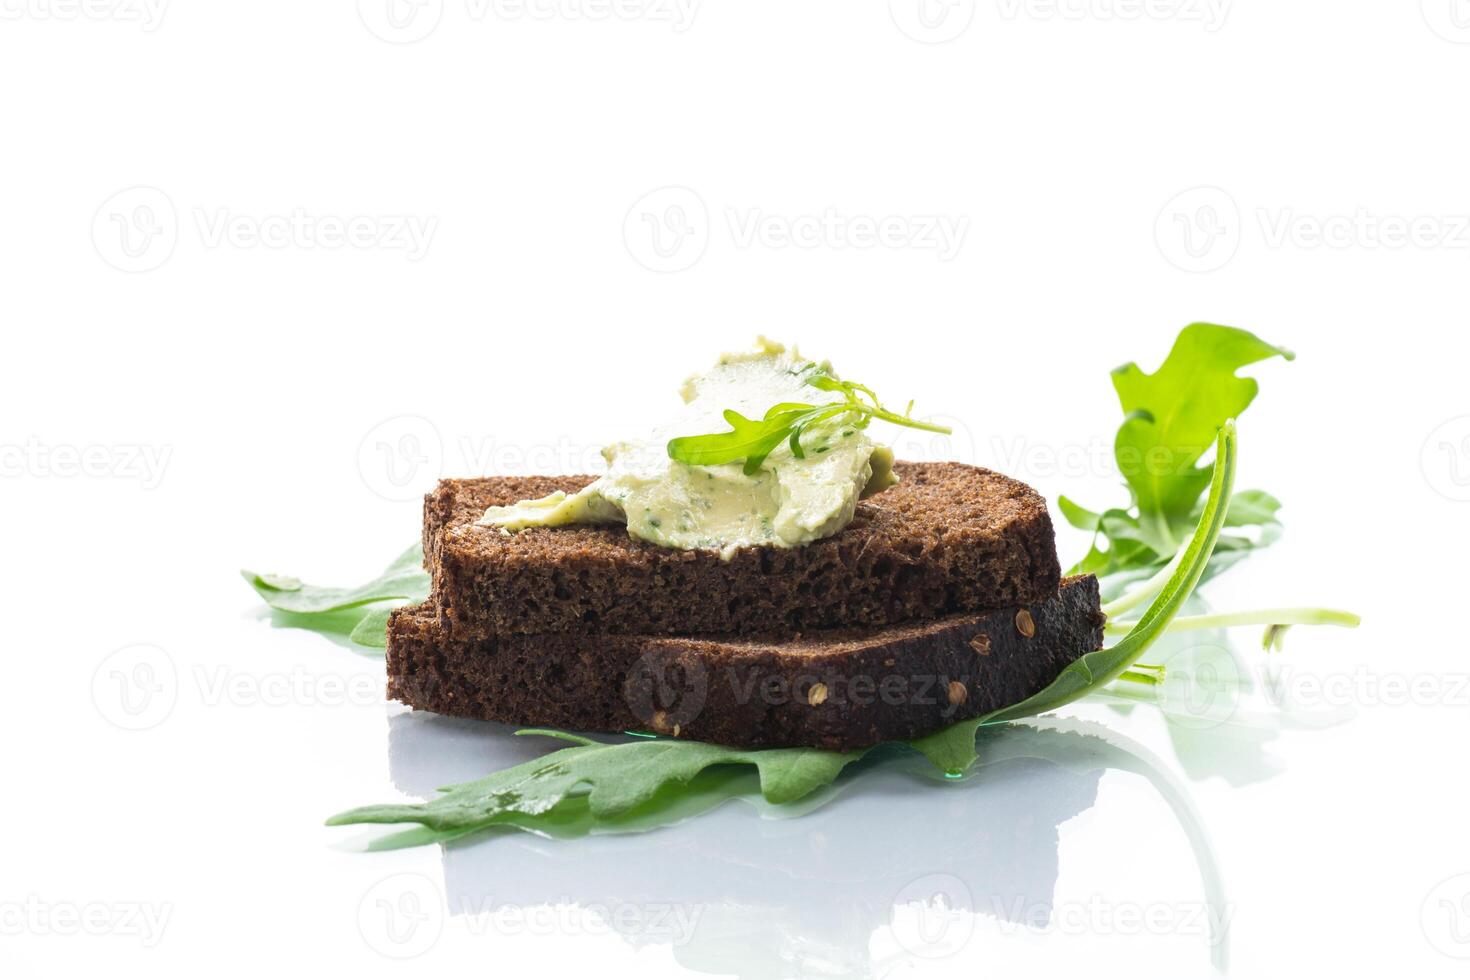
(1170, 421)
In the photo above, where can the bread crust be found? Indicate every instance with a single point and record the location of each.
(949, 538)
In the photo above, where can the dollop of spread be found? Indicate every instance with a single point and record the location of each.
(787, 502)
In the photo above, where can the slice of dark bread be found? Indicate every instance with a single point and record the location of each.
(836, 689)
(948, 538)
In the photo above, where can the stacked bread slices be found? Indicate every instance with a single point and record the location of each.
(942, 600)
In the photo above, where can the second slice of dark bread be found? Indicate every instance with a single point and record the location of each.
(834, 689)
(948, 538)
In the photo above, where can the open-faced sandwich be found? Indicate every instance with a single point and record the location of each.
(761, 585)
(757, 572)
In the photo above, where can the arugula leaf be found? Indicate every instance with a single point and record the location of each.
(372, 629)
(361, 611)
(747, 439)
(1170, 420)
(1078, 516)
(1173, 414)
(753, 440)
(617, 778)
(1253, 507)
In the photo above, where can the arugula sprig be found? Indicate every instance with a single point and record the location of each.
(754, 439)
(1170, 421)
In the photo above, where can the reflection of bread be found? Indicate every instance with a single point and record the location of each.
(835, 689)
(949, 538)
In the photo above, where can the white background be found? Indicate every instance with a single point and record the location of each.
(182, 314)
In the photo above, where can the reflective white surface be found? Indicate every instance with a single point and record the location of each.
(894, 864)
(1128, 839)
(183, 399)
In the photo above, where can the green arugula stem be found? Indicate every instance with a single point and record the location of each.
(912, 423)
(1094, 671)
(1186, 568)
(1145, 591)
(1150, 675)
(1296, 616)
